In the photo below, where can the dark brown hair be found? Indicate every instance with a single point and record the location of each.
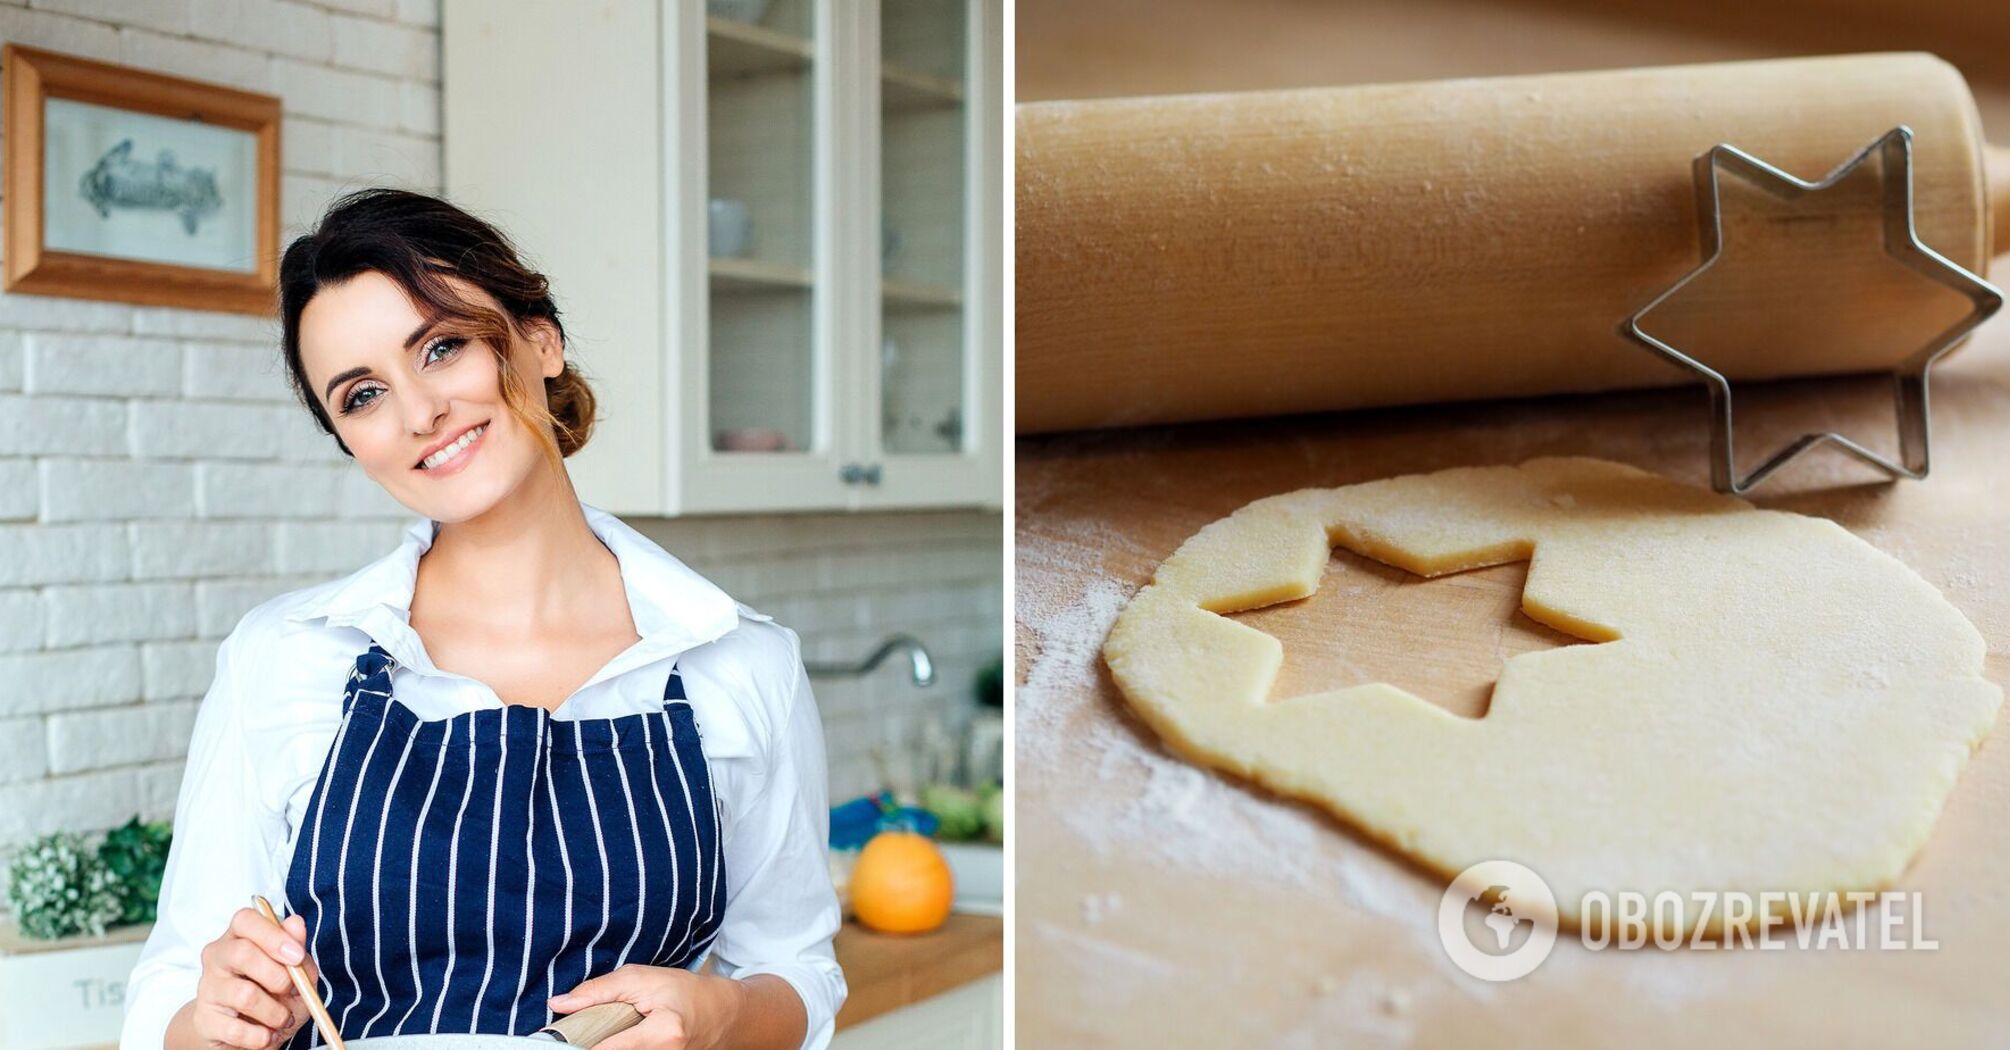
(414, 239)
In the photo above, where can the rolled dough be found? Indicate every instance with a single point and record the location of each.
(1776, 706)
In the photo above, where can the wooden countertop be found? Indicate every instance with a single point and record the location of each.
(14, 942)
(888, 971)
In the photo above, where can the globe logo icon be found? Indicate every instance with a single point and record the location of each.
(1497, 920)
(1500, 917)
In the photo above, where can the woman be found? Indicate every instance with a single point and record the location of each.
(471, 774)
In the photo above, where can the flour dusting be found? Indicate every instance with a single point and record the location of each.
(1098, 906)
(1139, 802)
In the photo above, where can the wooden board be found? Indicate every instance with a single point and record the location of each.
(885, 972)
(1158, 902)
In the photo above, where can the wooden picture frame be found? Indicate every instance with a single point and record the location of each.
(127, 220)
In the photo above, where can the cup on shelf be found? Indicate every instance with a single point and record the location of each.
(751, 439)
(737, 10)
(729, 227)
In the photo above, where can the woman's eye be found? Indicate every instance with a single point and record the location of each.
(453, 346)
(449, 348)
(351, 404)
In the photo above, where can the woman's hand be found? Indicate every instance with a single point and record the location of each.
(244, 999)
(680, 1010)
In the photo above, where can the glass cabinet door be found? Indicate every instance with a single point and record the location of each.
(924, 355)
(761, 65)
(831, 344)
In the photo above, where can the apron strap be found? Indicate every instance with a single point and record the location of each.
(371, 673)
(673, 689)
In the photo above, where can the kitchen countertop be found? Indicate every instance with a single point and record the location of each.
(888, 971)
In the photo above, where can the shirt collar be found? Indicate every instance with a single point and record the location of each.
(674, 608)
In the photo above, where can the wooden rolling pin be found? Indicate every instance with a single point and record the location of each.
(1213, 256)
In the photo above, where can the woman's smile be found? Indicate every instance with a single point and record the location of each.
(454, 457)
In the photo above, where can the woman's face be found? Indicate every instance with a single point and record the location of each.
(402, 395)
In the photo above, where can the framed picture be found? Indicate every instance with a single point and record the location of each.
(133, 186)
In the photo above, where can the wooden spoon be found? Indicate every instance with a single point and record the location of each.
(305, 986)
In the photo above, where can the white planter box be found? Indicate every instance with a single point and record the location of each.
(67, 994)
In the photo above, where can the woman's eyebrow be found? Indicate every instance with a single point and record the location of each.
(424, 326)
(343, 377)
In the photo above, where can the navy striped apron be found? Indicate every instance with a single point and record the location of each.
(455, 873)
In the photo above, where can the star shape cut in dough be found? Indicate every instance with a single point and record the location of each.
(1371, 622)
(1900, 241)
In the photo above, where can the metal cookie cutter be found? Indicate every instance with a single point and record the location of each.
(1901, 242)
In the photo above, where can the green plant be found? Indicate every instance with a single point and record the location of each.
(58, 887)
(137, 854)
(992, 795)
(958, 812)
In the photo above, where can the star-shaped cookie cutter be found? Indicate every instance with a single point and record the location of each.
(1901, 242)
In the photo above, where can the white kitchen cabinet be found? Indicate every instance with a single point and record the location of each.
(772, 229)
(971, 1017)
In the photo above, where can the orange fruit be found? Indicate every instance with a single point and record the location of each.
(901, 883)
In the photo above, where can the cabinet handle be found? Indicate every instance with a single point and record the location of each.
(871, 474)
(851, 473)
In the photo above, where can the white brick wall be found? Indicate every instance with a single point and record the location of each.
(157, 478)
(844, 582)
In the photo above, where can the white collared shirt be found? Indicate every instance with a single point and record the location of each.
(271, 713)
